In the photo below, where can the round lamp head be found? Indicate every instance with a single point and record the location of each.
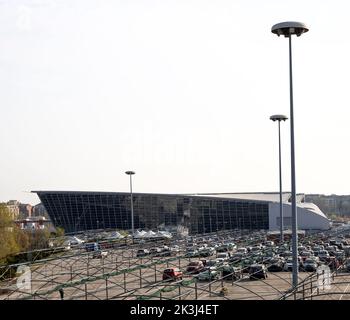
(288, 28)
(129, 172)
(278, 117)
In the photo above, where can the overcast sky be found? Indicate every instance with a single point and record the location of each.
(179, 91)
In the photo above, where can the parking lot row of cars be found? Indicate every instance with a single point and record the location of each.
(227, 259)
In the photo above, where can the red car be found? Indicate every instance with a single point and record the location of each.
(172, 274)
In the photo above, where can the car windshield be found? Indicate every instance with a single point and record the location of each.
(169, 270)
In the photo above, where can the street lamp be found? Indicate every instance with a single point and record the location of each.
(130, 174)
(279, 118)
(288, 29)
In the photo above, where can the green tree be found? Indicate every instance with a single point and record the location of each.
(8, 243)
(59, 232)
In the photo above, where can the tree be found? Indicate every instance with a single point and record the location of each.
(8, 243)
(59, 232)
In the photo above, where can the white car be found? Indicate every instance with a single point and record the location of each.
(99, 254)
(223, 255)
(242, 250)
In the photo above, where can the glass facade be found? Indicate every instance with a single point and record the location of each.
(79, 211)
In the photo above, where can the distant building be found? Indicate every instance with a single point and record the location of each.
(39, 210)
(331, 204)
(25, 210)
(13, 207)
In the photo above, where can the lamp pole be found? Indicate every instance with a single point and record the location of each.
(288, 29)
(130, 174)
(279, 118)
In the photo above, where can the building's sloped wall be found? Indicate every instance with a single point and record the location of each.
(309, 218)
(76, 211)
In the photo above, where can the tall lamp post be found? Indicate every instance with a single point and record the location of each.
(279, 118)
(288, 29)
(130, 174)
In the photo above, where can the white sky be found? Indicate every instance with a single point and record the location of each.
(179, 91)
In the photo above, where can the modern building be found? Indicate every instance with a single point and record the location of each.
(198, 213)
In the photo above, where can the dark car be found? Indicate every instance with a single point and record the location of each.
(195, 267)
(172, 274)
(231, 273)
(276, 265)
(257, 271)
(310, 265)
(142, 253)
(155, 251)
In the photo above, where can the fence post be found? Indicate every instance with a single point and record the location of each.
(116, 263)
(71, 273)
(140, 279)
(124, 282)
(106, 289)
(323, 279)
(195, 291)
(303, 291)
(209, 289)
(179, 262)
(155, 273)
(179, 292)
(311, 289)
(85, 291)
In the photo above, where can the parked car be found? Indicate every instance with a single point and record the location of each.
(212, 263)
(192, 253)
(269, 244)
(310, 265)
(288, 266)
(276, 264)
(323, 255)
(340, 255)
(305, 254)
(172, 274)
(155, 251)
(242, 250)
(92, 246)
(232, 273)
(223, 248)
(333, 263)
(208, 274)
(142, 253)
(195, 267)
(223, 255)
(164, 252)
(257, 271)
(99, 254)
(237, 257)
(206, 252)
(347, 266)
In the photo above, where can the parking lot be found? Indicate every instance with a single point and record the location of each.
(256, 268)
